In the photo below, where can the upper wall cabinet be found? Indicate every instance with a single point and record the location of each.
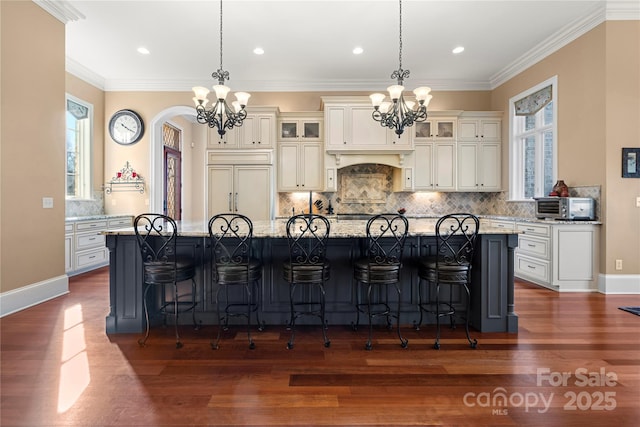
(257, 131)
(480, 126)
(301, 126)
(435, 129)
(349, 126)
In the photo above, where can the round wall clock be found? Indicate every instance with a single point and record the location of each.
(126, 127)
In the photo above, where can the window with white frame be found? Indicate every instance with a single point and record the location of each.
(79, 137)
(533, 142)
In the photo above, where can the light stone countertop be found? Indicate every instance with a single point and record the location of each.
(95, 217)
(339, 228)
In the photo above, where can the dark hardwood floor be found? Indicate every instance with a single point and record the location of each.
(59, 368)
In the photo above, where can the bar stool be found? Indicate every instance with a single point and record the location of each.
(307, 236)
(233, 265)
(456, 236)
(157, 236)
(380, 269)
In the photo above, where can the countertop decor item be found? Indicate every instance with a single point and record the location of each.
(220, 116)
(560, 189)
(399, 113)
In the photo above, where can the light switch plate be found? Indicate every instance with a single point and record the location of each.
(47, 203)
(637, 202)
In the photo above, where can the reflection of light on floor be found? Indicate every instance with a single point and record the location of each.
(74, 368)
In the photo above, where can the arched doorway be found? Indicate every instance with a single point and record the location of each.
(156, 153)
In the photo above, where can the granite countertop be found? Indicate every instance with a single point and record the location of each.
(95, 217)
(339, 228)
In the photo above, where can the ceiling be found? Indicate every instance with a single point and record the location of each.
(308, 43)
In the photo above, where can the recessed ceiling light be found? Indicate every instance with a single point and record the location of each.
(143, 50)
(357, 50)
(458, 49)
(258, 51)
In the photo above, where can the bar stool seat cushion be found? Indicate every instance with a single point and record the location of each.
(374, 273)
(160, 272)
(444, 272)
(229, 274)
(306, 273)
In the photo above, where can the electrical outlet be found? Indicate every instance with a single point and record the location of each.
(637, 202)
(618, 264)
(47, 203)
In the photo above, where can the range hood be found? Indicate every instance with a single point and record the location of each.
(395, 158)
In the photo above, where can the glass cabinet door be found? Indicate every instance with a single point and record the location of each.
(288, 130)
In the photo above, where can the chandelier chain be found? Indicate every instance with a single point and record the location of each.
(220, 34)
(400, 49)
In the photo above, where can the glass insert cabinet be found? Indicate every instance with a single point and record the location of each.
(299, 128)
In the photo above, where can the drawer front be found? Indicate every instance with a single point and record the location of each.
(534, 229)
(68, 227)
(536, 247)
(120, 223)
(91, 225)
(536, 270)
(90, 258)
(506, 225)
(89, 240)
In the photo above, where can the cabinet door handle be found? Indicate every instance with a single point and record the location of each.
(230, 209)
(345, 142)
(236, 203)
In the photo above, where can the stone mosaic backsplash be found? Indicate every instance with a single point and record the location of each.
(95, 206)
(359, 195)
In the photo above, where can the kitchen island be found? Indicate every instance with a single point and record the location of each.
(492, 303)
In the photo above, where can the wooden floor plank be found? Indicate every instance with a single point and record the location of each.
(59, 368)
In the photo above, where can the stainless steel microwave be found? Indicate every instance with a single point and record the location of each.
(567, 208)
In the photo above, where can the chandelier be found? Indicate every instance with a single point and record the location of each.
(399, 113)
(220, 115)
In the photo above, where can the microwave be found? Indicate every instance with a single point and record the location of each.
(566, 208)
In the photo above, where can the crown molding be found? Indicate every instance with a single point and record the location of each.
(623, 10)
(62, 10)
(146, 85)
(550, 45)
(83, 73)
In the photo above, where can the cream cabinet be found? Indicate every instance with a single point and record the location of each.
(258, 130)
(563, 256)
(435, 129)
(349, 125)
(300, 166)
(68, 246)
(472, 129)
(301, 126)
(479, 166)
(85, 243)
(230, 139)
(245, 189)
(435, 166)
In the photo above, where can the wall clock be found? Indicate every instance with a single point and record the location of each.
(126, 127)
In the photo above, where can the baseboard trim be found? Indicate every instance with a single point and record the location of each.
(619, 284)
(34, 294)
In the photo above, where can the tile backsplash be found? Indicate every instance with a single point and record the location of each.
(84, 207)
(368, 189)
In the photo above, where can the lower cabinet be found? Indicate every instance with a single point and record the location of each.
(85, 248)
(563, 257)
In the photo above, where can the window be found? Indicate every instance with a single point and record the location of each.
(78, 148)
(533, 123)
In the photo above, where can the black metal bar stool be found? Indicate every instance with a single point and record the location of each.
(456, 236)
(157, 237)
(233, 265)
(380, 269)
(307, 236)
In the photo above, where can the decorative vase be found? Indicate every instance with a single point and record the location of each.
(561, 189)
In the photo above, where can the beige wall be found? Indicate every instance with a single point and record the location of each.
(622, 113)
(32, 145)
(598, 114)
